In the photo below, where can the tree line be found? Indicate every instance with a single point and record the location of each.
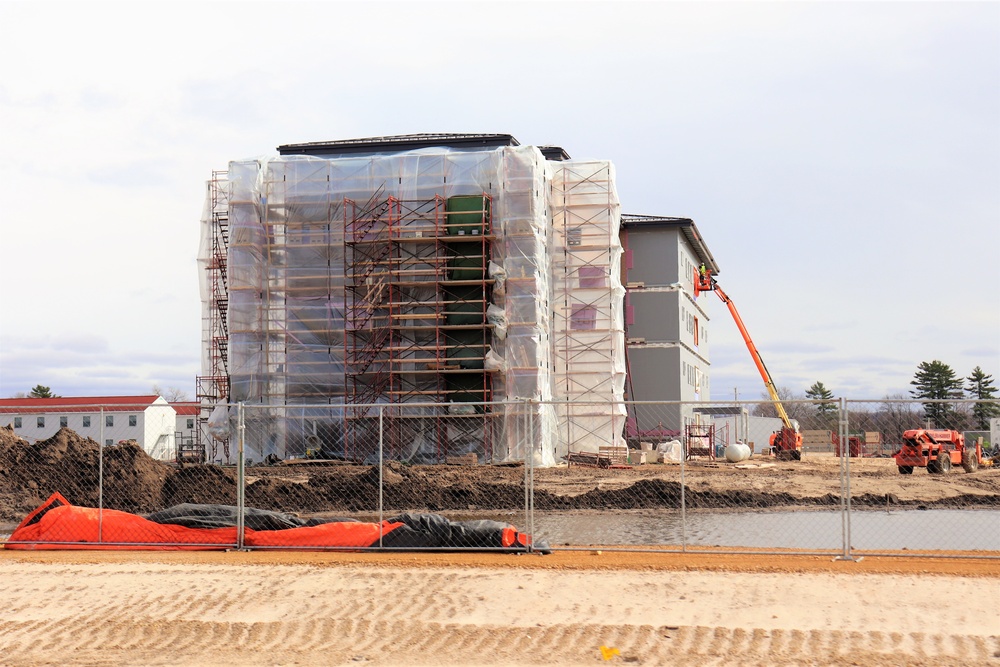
(935, 383)
(172, 394)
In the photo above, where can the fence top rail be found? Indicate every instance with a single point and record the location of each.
(576, 402)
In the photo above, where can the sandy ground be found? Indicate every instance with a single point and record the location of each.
(210, 608)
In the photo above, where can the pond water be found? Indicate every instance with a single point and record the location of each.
(870, 530)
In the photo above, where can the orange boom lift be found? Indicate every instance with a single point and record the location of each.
(786, 443)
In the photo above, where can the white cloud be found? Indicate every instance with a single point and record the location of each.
(842, 160)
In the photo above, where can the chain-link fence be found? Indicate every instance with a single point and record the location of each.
(77, 475)
(840, 477)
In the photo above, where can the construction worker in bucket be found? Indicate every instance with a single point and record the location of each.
(702, 275)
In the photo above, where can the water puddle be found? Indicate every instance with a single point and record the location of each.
(959, 530)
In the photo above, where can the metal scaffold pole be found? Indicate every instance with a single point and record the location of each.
(240, 476)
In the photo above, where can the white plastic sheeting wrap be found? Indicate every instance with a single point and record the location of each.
(588, 323)
(556, 301)
(523, 248)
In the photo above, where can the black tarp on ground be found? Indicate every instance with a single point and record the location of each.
(417, 531)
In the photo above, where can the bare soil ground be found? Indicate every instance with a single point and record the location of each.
(568, 608)
(134, 482)
(578, 608)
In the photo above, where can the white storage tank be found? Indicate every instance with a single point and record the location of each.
(737, 452)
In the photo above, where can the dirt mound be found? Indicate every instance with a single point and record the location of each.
(70, 464)
(280, 495)
(134, 482)
(204, 484)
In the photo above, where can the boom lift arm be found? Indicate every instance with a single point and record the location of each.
(786, 443)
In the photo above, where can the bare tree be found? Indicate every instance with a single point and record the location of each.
(895, 415)
(171, 394)
(799, 411)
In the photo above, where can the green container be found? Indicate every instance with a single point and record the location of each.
(466, 348)
(469, 309)
(466, 388)
(468, 215)
(467, 261)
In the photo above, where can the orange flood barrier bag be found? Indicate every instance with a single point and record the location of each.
(56, 524)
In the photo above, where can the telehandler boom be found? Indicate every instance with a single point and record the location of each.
(786, 443)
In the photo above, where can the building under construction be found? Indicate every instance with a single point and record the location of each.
(441, 294)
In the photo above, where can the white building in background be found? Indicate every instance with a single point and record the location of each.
(149, 420)
(187, 419)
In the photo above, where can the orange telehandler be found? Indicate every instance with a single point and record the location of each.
(938, 450)
(786, 443)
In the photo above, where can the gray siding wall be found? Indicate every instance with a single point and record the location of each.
(654, 373)
(655, 316)
(653, 253)
(659, 257)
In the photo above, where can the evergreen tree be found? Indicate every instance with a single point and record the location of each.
(980, 387)
(827, 409)
(41, 391)
(936, 380)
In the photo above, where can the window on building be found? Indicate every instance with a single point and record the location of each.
(108, 442)
(41, 422)
(696, 331)
(190, 424)
(63, 422)
(592, 277)
(132, 421)
(86, 421)
(109, 420)
(17, 422)
(583, 318)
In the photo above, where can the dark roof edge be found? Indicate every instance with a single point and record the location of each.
(555, 153)
(687, 227)
(398, 143)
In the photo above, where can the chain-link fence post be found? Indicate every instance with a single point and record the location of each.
(683, 500)
(240, 476)
(843, 433)
(100, 483)
(530, 489)
(521, 434)
(381, 480)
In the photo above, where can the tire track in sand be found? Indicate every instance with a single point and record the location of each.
(264, 616)
(421, 643)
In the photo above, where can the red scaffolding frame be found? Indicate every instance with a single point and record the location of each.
(214, 387)
(410, 314)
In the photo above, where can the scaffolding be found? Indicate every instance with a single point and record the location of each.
(409, 299)
(417, 331)
(213, 386)
(699, 440)
(588, 323)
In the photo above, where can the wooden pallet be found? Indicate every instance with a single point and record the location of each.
(463, 460)
(606, 457)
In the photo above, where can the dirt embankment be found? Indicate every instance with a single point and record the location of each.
(134, 482)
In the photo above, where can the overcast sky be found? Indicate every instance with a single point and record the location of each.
(841, 160)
